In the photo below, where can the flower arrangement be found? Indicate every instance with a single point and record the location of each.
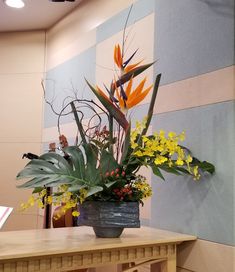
(104, 165)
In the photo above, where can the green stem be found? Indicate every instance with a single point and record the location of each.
(151, 107)
(111, 134)
(79, 124)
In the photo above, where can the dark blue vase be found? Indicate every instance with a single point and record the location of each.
(108, 219)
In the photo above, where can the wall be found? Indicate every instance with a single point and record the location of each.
(21, 107)
(192, 41)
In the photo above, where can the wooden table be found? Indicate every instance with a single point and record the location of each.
(67, 249)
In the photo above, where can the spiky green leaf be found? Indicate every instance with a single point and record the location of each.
(111, 108)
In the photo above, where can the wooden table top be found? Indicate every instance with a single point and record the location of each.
(43, 242)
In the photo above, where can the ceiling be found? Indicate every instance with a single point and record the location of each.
(37, 14)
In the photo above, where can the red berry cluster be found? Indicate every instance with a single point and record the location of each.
(122, 193)
(115, 173)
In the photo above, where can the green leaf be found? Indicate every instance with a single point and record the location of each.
(183, 170)
(76, 187)
(111, 108)
(207, 167)
(37, 190)
(107, 162)
(133, 73)
(157, 171)
(169, 169)
(91, 170)
(111, 183)
(151, 105)
(77, 158)
(56, 160)
(78, 122)
(126, 144)
(93, 190)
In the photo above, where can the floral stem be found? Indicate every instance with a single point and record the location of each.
(111, 134)
(151, 106)
(79, 125)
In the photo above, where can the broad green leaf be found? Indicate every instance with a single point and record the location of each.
(107, 162)
(57, 161)
(76, 187)
(77, 158)
(92, 174)
(93, 190)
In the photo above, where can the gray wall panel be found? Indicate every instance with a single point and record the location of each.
(67, 78)
(204, 208)
(193, 37)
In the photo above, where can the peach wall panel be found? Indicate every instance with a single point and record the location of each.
(21, 107)
(22, 52)
(21, 70)
(11, 163)
(22, 222)
(209, 88)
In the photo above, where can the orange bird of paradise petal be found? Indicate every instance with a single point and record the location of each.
(137, 90)
(118, 56)
(130, 67)
(138, 98)
(133, 97)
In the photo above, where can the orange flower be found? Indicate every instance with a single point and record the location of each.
(133, 97)
(130, 67)
(118, 56)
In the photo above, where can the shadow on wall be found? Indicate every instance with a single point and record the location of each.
(222, 7)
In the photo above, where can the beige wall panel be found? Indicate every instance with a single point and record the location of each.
(10, 164)
(21, 222)
(217, 85)
(21, 107)
(76, 32)
(22, 52)
(205, 256)
(21, 70)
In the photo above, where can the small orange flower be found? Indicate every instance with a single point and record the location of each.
(130, 67)
(118, 56)
(133, 97)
